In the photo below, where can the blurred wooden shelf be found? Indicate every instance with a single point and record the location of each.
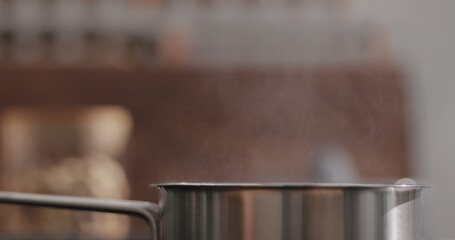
(133, 87)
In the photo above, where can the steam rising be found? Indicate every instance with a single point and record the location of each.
(269, 126)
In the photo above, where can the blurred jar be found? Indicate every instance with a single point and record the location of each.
(70, 151)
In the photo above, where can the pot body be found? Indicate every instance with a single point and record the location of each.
(262, 211)
(289, 212)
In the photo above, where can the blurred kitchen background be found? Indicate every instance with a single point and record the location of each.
(103, 97)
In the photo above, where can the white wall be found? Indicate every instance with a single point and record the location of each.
(423, 33)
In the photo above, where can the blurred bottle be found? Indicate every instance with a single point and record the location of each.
(144, 18)
(177, 33)
(3, 29)
(69, 23)
(27, 21)
(110, 24)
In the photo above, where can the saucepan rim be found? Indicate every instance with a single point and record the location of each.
(190, 185)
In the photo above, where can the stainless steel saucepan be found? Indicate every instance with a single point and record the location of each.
(249, 211)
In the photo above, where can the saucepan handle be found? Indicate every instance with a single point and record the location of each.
(145, 210)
